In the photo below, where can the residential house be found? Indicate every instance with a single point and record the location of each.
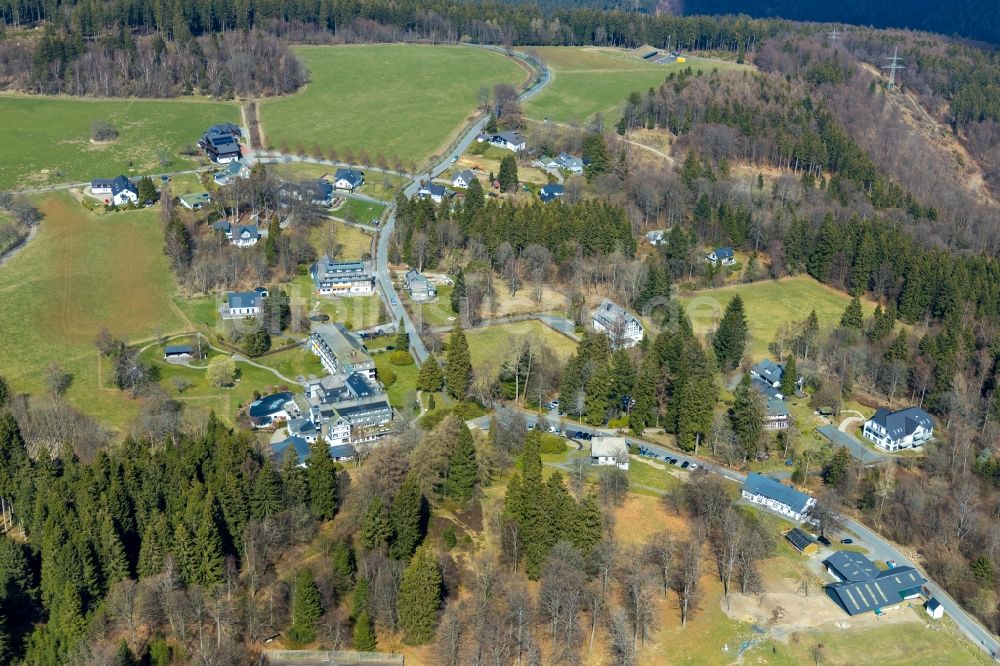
(624, 329)
(235, 169)
(272, 409)
(776, 417)
(508, 140)
(244, 304)
(420, 288)
(657, 236)
(767, 376)
(802, 541)
(463, 179)
(551, 192)
(723, 256)
(343, 453)
(116, 191)
(222, 147)
(609, 450)
(563, 161)
(303, 426)
(195, 201)
(340, 351)
(777, 496)
(348, 179)
(342, 278)
(434, 191)
(177, 352)
(226, 129)
(244, 235)
(907, 428)
(861, 587)
(318, 192)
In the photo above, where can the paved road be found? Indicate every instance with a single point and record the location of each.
(392, 300)
(879, 548)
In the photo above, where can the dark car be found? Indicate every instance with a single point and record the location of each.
(672, 461)
(685, 464)
(823, 540)
(847, 542)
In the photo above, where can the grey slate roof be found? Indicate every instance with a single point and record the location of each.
(342, 451)
(551, 191)
(353, 176)
(269, 404)
(300, 445)
(723, 252)
(769, 370)
(904, 422)
(178, 349)
(759, 484)
(776, 407)
(886, 589)
(250, 231)
(851, 567)
(467, 175)
(243, 299)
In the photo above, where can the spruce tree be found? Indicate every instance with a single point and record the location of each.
(208, 557)
(585, 525)
(409, 519)
(595, 152)
(265, 498)
(294, 479)
(854, 316)
(359, 600)
(147, 190)
(155, 544)
(430, 379)
(364, 635)
(459, 364)
(475, 198)
(463, 471)
(458, 292)
(342, 560)
(598, 390)
(420, 597)
(730, 339)
(789, 377)
(307, 607)
(748, 417)
(695, 405)
(323, 492)
(376, 524)
(643, 413)
(114, 565)
(402, 340)
(508, 173)
(4, 392)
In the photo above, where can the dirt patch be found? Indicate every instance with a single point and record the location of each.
(785, 609)
(642, 516)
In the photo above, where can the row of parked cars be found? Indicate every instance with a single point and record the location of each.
(683, 464)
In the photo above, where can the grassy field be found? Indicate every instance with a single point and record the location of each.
(394, 99)
(357, 312)
(588, 80)
(403, 392)
(495, 343)
(82, 273)
(769, 304)
(354, 242)
(363, 212)
(52, 142)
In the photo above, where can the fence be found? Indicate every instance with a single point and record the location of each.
(331, 657)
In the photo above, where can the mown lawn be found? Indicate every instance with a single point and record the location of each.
(82, 273)
(354, 243)
(400, 101)
(496, 343)
(588, 80)
(363, 212)
(403, 392)
(52, 142)
(436, 312)
(356, 312)
(769, 304)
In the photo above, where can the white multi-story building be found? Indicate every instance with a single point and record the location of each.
(623, 329)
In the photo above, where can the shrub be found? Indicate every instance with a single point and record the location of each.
(102, 130)
(400, 357)
(551, 444)
(449, 538)
(387, 376)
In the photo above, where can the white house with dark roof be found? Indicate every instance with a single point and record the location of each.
(776, 416)
(234, 169)
(115, 191)
(463, 179)
(907, 428)
(551, 192)
(244, 235)
(776, 496)
(195, 201)
(657, 236)
(342, 278)
(622, 328)
(507, 140)
(721, 256)
(221, 144)
(348, 179)
(433, 191)
(244, 304)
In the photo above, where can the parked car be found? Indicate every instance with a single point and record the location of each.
(694, 465)
(394, 301)
(685, 464)
(847, 542)
(672, 461)
(823, 540)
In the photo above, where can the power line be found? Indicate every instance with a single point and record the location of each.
(892, 67)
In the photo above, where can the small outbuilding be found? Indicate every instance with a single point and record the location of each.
(177, 351)
(802, 541)
(934, 608)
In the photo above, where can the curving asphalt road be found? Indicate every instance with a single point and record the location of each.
(392, 300)
(879, 548)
